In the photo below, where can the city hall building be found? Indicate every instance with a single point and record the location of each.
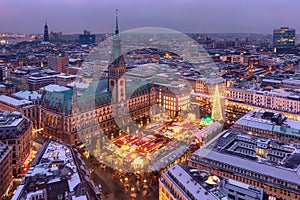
(102, 107)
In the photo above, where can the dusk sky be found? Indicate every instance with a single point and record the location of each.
(73, 16)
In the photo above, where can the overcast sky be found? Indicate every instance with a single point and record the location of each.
(73, 16)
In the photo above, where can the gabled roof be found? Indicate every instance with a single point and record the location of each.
(63, 100)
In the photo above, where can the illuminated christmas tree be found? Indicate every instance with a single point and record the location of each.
(217, 112)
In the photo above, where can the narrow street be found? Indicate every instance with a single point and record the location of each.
(120, 186)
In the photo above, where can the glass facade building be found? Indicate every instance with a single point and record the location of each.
(284, 38)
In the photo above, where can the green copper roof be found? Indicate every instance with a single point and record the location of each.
(97, 87)
(117, 25)
(134, 87)
(97, 92)
(116, 51)
(60, 99)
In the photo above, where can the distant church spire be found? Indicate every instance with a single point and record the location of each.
(46, 34)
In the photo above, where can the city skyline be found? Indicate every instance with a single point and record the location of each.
(149, 113)
(196, 16)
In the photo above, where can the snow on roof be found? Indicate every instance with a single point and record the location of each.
(258, 167)
(250, 191)
(210, 129)
(289, 126)
(80, 198)
(237, 183)
(292, 123)
(271, 81)
(72, 60)
(18, 192)
(78, 85)
(74, 67)
(62, 75)
(54, 87)
(291, 81)
(25, 94)
(30, 194)
(163, 158)
(11, 123)
(13, 101)
(40, 77)
(74, 181)
(187, 183)
(58, 153)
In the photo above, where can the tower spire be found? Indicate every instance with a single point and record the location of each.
(117, 69)
(117, 25)
(116, 51)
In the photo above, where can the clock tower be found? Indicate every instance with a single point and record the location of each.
(117, 70)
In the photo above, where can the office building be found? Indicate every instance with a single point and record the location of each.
(87, 38)
(36, 82)
(279, 80)
(174, 98)
(258, 161)
(181, 182)
(241, 191)
(42, 80)
(64, 79)
(56, 36)
(73, 70)
(241, 99)
(284, 39)
(28, 106)
(4, 72)
(7, 89)
(58, 64)
(270, 125)
(33, 96)
(184, 182)
(15, 131)
(6, 175)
